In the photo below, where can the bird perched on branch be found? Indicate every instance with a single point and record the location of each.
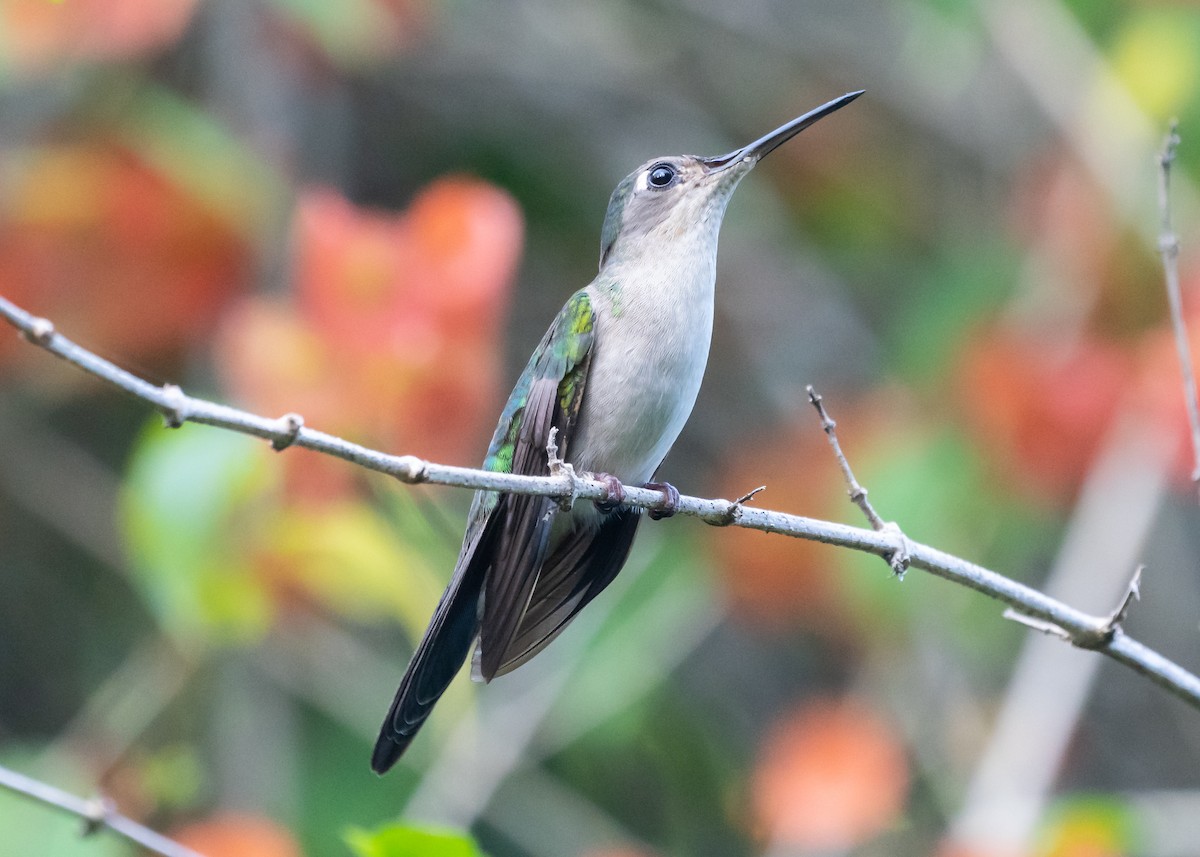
(615, 377)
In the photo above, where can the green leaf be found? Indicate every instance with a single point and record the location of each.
(1097, 824)
(349, 557)
(400, 840)
(188, 518)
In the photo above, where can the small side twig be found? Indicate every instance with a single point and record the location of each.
(1168, 246)
(1095, 637)
(1043, 625)
(731, 513)
(1133, 593)
(558, 468)
(858, 494)
(96, 814)
(901, 556)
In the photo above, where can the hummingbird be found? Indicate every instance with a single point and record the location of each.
(615, 377)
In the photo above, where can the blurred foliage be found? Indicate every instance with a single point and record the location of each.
(367, 212)
(1091, 825)
(398, 841)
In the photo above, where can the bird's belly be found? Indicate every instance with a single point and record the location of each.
(636, 402)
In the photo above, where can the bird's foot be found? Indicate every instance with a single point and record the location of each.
(670, 503)
(614, 492)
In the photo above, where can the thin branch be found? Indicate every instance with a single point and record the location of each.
(1168, 246)
(898, 559)
(1132, 593)
(1087, 639)
(411, 469)
(96, 813)
(858, 494)
(1040, 625)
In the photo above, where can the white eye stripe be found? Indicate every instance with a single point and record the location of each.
(672, 173)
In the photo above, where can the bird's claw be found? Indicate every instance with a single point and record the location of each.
(670, 503)
(614, 492)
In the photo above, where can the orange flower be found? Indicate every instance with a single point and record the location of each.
(395, 333)
(1042, 414)
(39, 34)
(830, 776)
(114, 251)
(237, 835)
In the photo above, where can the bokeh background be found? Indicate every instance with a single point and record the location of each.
(369, 211)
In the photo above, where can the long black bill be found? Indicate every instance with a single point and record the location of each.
(763, 146)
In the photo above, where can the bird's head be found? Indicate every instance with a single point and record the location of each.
(670, 196)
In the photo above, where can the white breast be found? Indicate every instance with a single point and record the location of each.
(648, 359)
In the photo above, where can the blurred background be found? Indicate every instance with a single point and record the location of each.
(368, 212)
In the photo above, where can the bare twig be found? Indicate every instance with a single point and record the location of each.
(410, 469)
(1168, 246)
(1132, 593)
(858, 494)
(1048, 628)
(1087, 638)
(899, 558)
(97, 813)
(558, 468)
(735, 508)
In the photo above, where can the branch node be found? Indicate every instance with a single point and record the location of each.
(411, 470)
(290, 425)
(1097, 637)
(814, 398)
(558, 467)
(1170, 144)
(175, 409)
(40, 331)
(98, 811)
(733, 509)
(901, 557)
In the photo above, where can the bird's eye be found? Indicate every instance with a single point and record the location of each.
(661, 175)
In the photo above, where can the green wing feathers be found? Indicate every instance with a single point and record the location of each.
(561, 359)
(548, 395)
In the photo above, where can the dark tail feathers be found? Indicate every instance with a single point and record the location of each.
(436, 661)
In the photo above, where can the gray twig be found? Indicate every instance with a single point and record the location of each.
(734, 509)
(560, 468)
(899, 558)
(410, 469)
(1096, 637)
(96, 813)
(1168, 247)
(1132, 593)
